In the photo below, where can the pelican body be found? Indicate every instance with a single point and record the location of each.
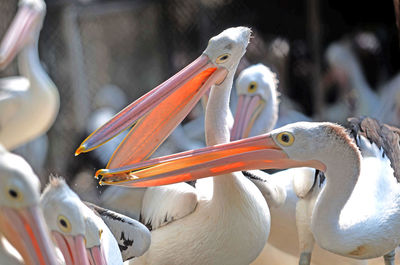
(28, 104)
(232, 226)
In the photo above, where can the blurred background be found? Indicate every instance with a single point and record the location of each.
(95, 48)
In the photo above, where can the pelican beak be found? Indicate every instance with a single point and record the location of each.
(72, 247)
(259, 152)
(26, 230)
(156, 113)
(96, 256)
(247, 111)
(18, 34)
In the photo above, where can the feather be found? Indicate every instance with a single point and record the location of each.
(133, 238)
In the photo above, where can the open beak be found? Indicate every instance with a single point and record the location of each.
(156, 113)
(72, 247)
(17, 34)
(96, 256)
(26, 230)
(247, 111)
(259, 152)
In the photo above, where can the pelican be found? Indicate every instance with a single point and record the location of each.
(258, 97)
(356, 214)
(28, 104)
(360, 99)
(257, 113)
(82, 230)
(231, 227)
(21, 220)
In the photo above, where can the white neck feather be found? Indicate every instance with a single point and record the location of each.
(216, 122)
(40, 83)
(356, 76)
(343, 170)
(217, 132)
(366, 98)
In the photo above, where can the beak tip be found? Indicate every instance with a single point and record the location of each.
(80, 150)
(100, 172)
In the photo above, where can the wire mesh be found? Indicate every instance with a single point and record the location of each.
(134, 45)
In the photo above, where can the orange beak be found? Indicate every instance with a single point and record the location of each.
(26, 230)
(17, 34)
(156, 113)
(247, 111)
(259, 152)
(73, 248)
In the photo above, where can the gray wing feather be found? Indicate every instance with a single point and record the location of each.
(133, 237)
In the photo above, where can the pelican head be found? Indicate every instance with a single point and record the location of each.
(24, 29)
(21, 220)
(64, 215)
(301, 144)
(94, 233)
(256, 87)
(228, 47)
(164, 107)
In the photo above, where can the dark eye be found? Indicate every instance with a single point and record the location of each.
(222, 58)
(14, 194)
(63, 223)
(252, 87)
(285, 138)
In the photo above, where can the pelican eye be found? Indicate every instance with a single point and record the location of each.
(285, 138)
(14, 194)
(222, 58)
(252, 87)
(64, 224)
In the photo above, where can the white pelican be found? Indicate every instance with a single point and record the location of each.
(257, 109)
(231, 227)
(21, 219)
(28, 104)
(82, 230)
(360, 99)
(257, 113)
(356, 214)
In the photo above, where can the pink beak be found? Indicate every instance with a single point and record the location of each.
(247, 111)
(17, 34)
(259, 152)
(73, 248)
(96, 256)
(26, 230)
(156, 114)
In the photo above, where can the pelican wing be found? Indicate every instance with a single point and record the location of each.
(382, 135)
(164, 204)
(133, 238)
